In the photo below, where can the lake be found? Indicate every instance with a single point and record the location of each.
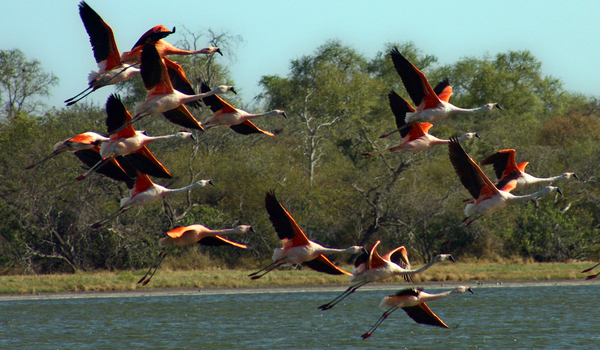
(538, 317)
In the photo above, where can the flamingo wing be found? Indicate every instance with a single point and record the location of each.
(283, 223)
(153, 35)
(375, 260)
(154, 72)
(417, 131)
(422, 314)
(400, 107)
(178, 232)
(322, 264)
(112, 169)
(143, 183)
(415, 81)
(145, 162)
(182, 116)
(503, 161)
(219, 241)
(470, 174)
(443, 90)
(101, 37)
(215, 102)
(508, 182)
(180, 82)
(247, 128)
(399, 256)
(83, 139)
(117, 116)
(363, 258)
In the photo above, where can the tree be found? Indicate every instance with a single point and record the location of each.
(22, 82)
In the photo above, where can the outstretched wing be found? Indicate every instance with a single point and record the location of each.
(180, 81)
(503, 161)
(415, 81)
(247, 128)
(182, 116)
(322, 264)
(400, 107)
(423, 315)
(283, 223)
(101, 37)
(469, 173)
(220, 241)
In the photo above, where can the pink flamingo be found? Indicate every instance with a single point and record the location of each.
(487, 198)
(146, 192)
(87, 140)
(412, 301)
(191, 234)
(430, 107)
(238, 120)
(370, 267)
(297, 248)
(505, 165)
(415, 136)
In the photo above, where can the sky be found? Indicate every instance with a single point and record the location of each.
(564, 36)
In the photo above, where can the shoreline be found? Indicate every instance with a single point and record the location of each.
(152, 292)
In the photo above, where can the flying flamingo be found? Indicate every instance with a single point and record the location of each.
(146, 192)
(590, 269)
(191, 234)
(415, 136)
(505, 164)
(117, 169)
(237, 119)
(430, 107)
(162, 97)
(111, 69)
(131, 143)
(114, 67)
(297, 248)
(87, 140)
(370, 267)
(487, 198)
(412, 301)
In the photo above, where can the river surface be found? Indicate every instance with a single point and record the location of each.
(539, 317)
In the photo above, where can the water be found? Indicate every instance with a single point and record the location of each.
(541, 317)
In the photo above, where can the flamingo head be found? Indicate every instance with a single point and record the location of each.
(184, 134)
(443, 257)
(568, 175)
(491, 106)
(245, 228)
(221, 89)
(462, 289)
(204, 183)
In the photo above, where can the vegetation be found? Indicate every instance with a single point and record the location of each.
(336, 103)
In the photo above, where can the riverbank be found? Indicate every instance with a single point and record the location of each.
(482, 274)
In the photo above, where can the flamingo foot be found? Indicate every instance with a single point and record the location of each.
(96, 225)
(367, 154)
(384, 136)
(366, 335)
(30, 166)
(591, 277)
(80, 177)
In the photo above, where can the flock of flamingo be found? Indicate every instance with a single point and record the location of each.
(124, 156)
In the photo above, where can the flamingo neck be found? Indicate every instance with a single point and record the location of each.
(517, 199)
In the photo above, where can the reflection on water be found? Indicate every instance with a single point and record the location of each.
(556, 317)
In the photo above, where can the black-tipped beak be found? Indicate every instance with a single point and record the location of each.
(219, 52)
(498, 106)
(470, 290)
(232, 90)
(193, 137)
(173, 31)
(452, 258)
(252, 229)
(477, 135)
(210, 183)
(575, 176)
(559, 191)
(285, 116)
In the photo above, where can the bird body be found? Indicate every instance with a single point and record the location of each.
(430, 105)
(146, 192)
(86, 140)
(370, 267)
(413, 302)
(161, 97)
(487, 197)
(238, 120)
(512, 175)
(297, 248)
(127, 145)
(186, 235)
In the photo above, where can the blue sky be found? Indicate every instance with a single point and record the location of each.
(564, 36)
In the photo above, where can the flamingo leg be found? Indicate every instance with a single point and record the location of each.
(379, 321)
(72, 101)
(342, 296)
(94, 168)
(79, 94)
(266, 270)
(109, 218)
(590, 269)
(53, 154)
(155, 265)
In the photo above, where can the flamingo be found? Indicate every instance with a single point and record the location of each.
(297, 248)
(130, 142)
(590, 269)
(415, 136)
(487, 198)
(162, 97)
(430, 107)
(111, 69)
(237, 119)
(87, 140)
(504, 165)
(191, 234)
(370, 267)
(412, 301)
(146, 192)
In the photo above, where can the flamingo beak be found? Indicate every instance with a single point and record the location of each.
(498, 106)
(232, 90)
(470, 290)
(285, 116)
(477, 135)
(559, 191)
(452, 258)
(252, 229)
(210, 183)
(219, 52)
(575, 176)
